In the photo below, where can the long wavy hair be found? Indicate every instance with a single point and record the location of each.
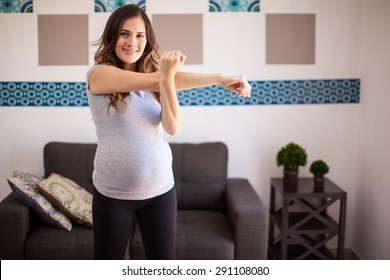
(105, 53)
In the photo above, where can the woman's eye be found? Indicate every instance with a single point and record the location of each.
(124, 34)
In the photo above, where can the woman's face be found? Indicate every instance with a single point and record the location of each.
(131, 42)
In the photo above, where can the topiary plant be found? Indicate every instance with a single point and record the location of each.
(291, 156)
(319, 167)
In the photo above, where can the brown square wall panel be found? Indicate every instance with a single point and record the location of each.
(290, 38)
(63, 39)
(180, 32)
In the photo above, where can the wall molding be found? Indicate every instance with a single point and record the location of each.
(273, 92)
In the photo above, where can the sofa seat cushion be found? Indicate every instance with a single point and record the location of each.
(204, 235)
(46, 242)
(200, 235)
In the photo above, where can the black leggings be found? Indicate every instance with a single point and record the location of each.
(113, 222)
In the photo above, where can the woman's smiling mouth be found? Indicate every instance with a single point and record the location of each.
(129, 51)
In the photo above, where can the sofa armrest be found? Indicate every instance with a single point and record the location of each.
(248, 218)
(15, 221)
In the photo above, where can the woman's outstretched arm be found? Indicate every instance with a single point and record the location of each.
(109, 79)
(238, 84)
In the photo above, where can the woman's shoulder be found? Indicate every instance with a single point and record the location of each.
(97, 65)
(89, 72)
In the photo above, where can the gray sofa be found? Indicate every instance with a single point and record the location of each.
(218, 217)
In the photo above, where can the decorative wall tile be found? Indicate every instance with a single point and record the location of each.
(66, 35)
(107, 6)
(234, 6)
(342, 91)
(180, 32)
(16, 6)
(290, 38)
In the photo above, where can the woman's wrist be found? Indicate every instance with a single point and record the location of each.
(219, 79)
(167, 76)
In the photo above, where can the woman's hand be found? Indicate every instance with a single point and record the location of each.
(170, 63)
(237, 84)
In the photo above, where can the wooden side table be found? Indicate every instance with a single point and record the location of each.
(301, 219)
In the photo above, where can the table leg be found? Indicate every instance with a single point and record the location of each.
(343, 209)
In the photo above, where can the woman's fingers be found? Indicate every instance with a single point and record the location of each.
(174, 57)
(172, 60)
(238, 84)
(242, 88)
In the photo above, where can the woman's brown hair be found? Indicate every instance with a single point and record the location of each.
(105, 53)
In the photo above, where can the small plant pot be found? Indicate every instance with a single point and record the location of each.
(319, 180)
(290, 176)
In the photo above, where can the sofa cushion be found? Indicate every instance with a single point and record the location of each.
(46, 242)
(71, 160)
(200, 235)
(23, 185)
(204, 235)
(69, 197)
(201, 196)
(205, 162)
(200, 172)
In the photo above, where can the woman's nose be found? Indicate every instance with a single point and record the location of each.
(131, 41)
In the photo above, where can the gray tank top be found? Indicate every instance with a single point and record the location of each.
(133, 159)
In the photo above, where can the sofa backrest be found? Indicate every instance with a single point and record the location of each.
(200, 172)
(71, 160)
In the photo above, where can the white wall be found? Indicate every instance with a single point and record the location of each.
(373, 186)
(233, 43)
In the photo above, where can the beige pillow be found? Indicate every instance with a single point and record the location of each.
(69, 197)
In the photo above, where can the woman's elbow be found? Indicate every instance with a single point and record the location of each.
(172, 129)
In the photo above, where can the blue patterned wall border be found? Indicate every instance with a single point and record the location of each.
(108, 6)
(43, 94)
(276, 92)
(217, 6)
(16, 6)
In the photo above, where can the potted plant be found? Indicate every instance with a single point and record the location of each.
(319, 168)
(291, 157)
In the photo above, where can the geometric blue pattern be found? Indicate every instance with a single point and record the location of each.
(108, 6)
(278, 93)
(43, 94)
(275, 92)
(16, 6)
(234, 6)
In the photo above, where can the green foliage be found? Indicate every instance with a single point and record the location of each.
(291, 156)
(319, 167)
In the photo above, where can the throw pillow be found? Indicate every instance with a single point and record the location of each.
(23, 185)
(69, 197)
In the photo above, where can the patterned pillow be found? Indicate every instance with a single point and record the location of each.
(69, 197)
(23, 185)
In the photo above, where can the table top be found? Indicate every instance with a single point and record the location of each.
(306, 187)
